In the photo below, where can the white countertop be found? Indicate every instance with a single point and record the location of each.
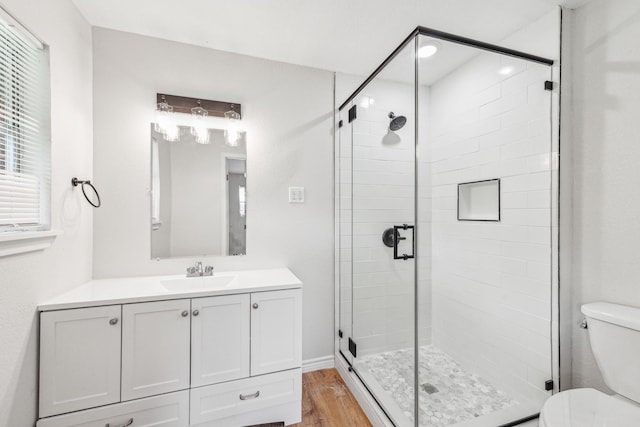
(150, 288)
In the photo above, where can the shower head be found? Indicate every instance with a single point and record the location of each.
(397, 122)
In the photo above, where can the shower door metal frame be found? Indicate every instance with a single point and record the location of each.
(424, 31)
(429, 32)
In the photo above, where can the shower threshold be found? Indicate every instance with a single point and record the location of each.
(448, 395)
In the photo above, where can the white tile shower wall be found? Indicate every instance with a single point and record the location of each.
(424, 211)
(491, 280)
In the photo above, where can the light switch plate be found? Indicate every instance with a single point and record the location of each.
(296, 194)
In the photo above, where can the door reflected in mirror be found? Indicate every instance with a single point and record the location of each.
(198, 195)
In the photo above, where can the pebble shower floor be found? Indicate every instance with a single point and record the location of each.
(448, 394)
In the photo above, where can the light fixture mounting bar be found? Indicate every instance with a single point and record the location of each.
(183, 104)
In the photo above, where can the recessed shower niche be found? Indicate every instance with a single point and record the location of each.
(460, 333)
(479, 200)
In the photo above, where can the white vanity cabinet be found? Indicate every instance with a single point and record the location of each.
(155, 348)
(79, 359)
(275, 332)
(273, 390)
(201, 358)
(220, 339)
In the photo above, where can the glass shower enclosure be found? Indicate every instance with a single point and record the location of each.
(446, 185)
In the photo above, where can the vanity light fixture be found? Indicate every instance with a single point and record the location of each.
(199, 128)
(165, 123)
(174, 113)
(232, 133)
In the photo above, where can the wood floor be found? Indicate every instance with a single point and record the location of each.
(327, 402)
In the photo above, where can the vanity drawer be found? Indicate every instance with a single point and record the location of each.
(168, 410)
(224, 400)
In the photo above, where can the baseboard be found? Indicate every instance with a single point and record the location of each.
(325, 362)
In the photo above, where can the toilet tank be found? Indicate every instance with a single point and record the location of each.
(614, 332)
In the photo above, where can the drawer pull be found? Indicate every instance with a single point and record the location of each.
(247, 396)
(113, 321)
(128, 423)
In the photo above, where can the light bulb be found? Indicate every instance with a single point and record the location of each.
(164, 121)
(199, 127)
(171, 132)
(201, 134)
(232, 133)
(199, 130)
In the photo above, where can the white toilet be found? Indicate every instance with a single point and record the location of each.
(614, 331)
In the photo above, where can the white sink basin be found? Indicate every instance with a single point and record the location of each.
(197, 283)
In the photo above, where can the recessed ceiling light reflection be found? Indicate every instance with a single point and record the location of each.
(506, 70)
(367, 102)
(428, 49)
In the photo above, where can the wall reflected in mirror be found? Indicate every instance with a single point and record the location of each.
(198, 195)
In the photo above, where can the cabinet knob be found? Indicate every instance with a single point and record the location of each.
(113, 321)
(255, 305)
(185, 313)
(196, 312)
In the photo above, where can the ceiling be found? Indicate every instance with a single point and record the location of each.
(351, 36)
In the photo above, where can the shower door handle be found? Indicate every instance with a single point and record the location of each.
(399, 237)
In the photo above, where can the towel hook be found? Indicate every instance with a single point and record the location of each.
(75, 182)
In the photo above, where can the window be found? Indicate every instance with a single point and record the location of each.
(25, 129)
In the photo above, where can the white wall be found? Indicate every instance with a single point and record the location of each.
(606, 58)
(288, 112)
(28, 279)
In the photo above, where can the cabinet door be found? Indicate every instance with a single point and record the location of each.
(219, 339)
(276, 338)
(79, 359)
(155, 348)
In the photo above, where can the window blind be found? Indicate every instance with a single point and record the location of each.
(25, 130)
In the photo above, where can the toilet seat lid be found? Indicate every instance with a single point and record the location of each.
(586, 407)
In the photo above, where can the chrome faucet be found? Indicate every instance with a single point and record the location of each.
(198, 271)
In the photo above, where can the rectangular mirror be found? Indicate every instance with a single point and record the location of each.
(198, 195)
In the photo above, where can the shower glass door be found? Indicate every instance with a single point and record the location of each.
(379, 129)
